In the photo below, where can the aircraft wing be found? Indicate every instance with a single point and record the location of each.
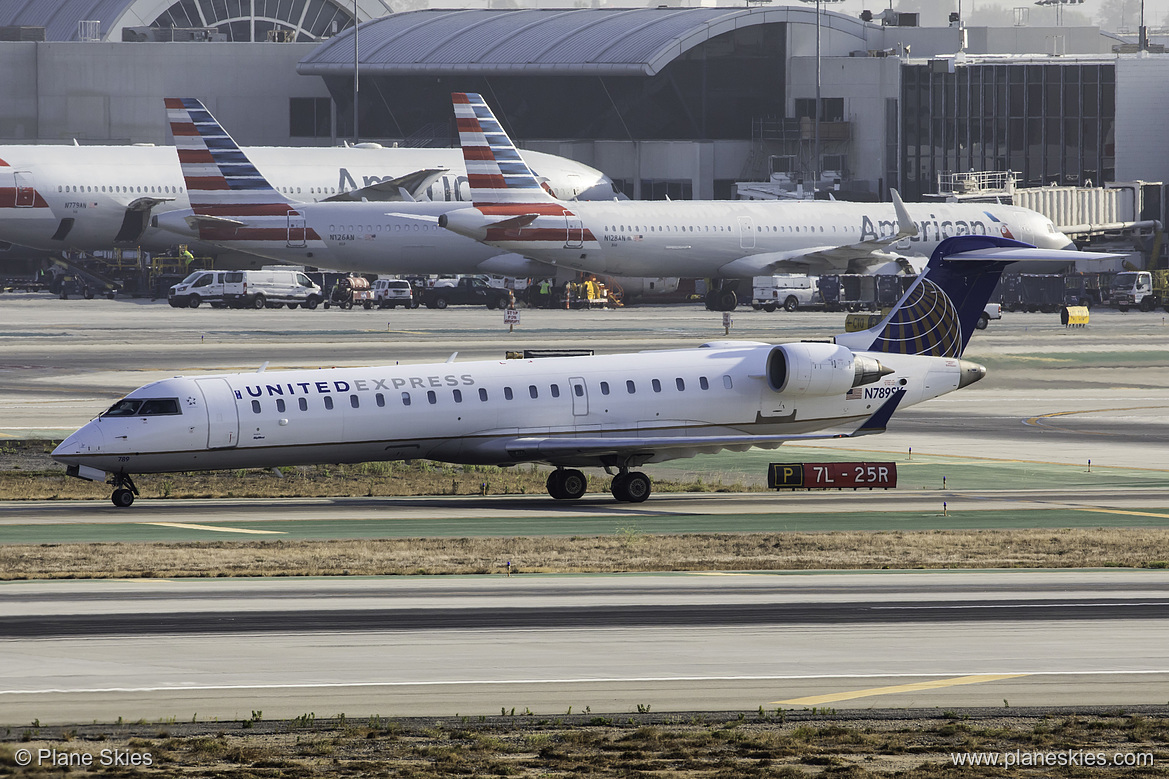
(847, 258)
(569, 447)
(402, 188)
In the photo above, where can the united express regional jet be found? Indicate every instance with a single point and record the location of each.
(615, 412)
(728, 240)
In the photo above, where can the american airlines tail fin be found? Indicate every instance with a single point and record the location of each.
(496, 172)
(937, 315)
(221, 180)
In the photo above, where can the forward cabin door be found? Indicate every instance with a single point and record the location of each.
(296, 229)
(222, 416)
(575, 237)
(26, 193)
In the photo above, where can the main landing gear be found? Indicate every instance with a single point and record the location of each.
(570, 484)
(124, 491)
(724, 297)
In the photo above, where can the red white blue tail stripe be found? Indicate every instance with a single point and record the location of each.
(222, 182)
(496, 173)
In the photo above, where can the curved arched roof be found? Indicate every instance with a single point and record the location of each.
(60, 17)
(605, 41)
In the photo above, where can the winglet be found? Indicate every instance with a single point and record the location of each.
(906, 227)
(880, 418)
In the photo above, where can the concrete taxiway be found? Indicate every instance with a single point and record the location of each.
(683, 642)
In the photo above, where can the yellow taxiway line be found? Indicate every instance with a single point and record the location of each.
(814, 700)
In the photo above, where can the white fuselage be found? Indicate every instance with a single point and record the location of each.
(95, 185)
(470, 412)
(706, 238)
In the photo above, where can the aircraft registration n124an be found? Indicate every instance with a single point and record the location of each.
(617, 412)
(729, 240)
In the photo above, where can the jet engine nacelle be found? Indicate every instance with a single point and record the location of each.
(465, 221)
(820, 369)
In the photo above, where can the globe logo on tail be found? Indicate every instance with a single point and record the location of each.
(926, 323)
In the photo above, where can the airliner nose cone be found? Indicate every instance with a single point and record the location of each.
(87, 440)
(969, 372)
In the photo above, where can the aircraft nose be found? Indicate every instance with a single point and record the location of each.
(969, 372)
(87, 440)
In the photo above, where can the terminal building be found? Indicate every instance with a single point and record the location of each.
(669, 101)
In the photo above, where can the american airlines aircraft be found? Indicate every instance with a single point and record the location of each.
(616, 412)
(726, 239)
(92, 198)
(234, 207)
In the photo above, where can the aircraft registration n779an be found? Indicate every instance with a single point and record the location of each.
(728, 240)
(617, 412)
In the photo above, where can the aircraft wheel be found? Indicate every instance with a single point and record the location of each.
(618, 486)
(635, 488)
(122, 498)
(727, 300)
(574, 483)
(711, 301)
(556, 485)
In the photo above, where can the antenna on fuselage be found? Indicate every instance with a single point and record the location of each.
(263, 367)
(452, 357)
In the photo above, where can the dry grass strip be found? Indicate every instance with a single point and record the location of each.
(623, 551)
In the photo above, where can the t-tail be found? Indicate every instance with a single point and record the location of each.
(940, 311)
(230, 198)
(511, 206)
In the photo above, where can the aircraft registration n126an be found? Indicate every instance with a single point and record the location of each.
(728, 240)
(614, 411)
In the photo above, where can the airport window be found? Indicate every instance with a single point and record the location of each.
(555, 389)
(482, 394)
(657, 385)
(703, 383)
(354, 401)
(405, 398)
(303, 403)
(457, 395)
(255, 407)
(507, 393)
(727, 382)
(280, 405)
(381, 400)
(328, 403)
(578, 389)
(535, 393)
(604, 388)
(681, 385)
(630, 387)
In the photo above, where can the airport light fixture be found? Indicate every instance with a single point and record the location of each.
(1059, 4)
(816, 118)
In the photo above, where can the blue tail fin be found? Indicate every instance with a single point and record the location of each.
(938, 314)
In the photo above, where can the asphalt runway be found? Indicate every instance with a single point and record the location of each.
(684, 642)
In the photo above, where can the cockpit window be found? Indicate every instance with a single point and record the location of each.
(152, 407)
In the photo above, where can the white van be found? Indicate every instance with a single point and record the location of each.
(789, 291)
(264, 288)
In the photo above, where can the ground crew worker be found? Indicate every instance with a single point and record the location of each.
(185, 253)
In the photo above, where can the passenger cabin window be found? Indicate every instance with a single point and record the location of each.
(328, 403)
(431, 397)
(577, 388)
(457, 395)
(657, 385)
(703, 383)
(255, 407)
(533, 392)
(681, 385)
(482, 394)
(630, 387)
(303, 403)
(727, 382)
(380, 399)
(604, 388)
(280, 405)
(405, 398)
(507, 393)
(556, 390)
(354, 401)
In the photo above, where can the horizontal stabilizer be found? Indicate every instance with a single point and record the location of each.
(1027, 254)
(877, 422)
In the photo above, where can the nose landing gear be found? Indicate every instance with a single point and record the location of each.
(124, 490)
